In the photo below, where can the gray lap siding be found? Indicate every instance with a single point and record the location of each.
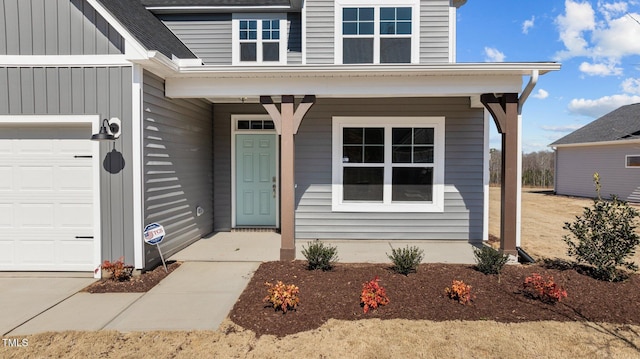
(464, 145)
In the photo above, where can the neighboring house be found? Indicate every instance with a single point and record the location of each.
(610, 146)
(330, 119)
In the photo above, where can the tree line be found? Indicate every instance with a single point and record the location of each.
(538, 168)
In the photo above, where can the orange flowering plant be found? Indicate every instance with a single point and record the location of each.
(282, 296)
(460, 291)
(373, 295)
(546, 290)
(117, 270)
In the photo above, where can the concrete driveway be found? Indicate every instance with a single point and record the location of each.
(25, 296)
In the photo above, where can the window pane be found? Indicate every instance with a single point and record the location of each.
(403, 13)
(362, 183)
(374, 154)
(357, 51)
(253, 24)
(266, 35)
(401, 136)
(388, 13)
(423, 136)
(270, 51)
(633, 161)
(266, 25)
(350, 14)
(423, 154)
(403, 28)
(395, 51)
(243, 125)
(352, 135)
(256, 125)
(350, 28)
(365, 28)
(374, 136)
(268, 125)
(352, 154)
(387, 28)
(275, 35)
(253, 35)
(365, 14)
(248, 51)
(401, 154)
(275, 24)
(411, 184)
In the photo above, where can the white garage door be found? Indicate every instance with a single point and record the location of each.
(46, 198)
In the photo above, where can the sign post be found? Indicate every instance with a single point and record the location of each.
(154, 234)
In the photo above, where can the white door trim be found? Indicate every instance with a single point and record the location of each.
(95, 149)
(234, 132)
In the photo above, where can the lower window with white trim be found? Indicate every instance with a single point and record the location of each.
(388, 164)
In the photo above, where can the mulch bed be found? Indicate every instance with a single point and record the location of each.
(138, 284)
(421, 295)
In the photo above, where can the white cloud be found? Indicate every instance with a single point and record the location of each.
(493, 55)
(631, 86)
(601, 69)
(528, 24)
(541, 94)
(605, 34)
(567, 128)
(598, 107)
(578, 18)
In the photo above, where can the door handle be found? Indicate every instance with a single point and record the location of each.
(274, 190)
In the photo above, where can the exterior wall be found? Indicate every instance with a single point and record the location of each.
(575, 167)
(85, 91)
(55, 27)
(208, 36)
(434, 31)
(463, 215)
(320, 32)
(177, 167)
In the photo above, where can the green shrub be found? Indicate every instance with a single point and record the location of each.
(320, 256)
(405, 260)
(489, 260)
(605, 236)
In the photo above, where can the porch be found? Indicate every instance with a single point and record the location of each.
(265, 246)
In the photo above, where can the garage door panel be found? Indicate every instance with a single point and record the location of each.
(46, 197)
(35, 178)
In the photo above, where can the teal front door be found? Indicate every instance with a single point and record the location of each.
(256, 189)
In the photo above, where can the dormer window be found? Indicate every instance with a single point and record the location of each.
(259, 39)
(380, 34)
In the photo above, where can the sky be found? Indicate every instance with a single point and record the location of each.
(597, 43)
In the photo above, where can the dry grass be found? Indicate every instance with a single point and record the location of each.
(340, 339)
(543, 218)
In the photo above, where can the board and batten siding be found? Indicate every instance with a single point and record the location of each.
(106, 91)
(55, 27)
(177, 166)
(575, 167)
(434, 31)
(463, 215)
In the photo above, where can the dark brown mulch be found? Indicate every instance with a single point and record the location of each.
(137, 284)
(336, 294)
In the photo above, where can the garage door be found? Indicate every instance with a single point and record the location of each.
(46, 198)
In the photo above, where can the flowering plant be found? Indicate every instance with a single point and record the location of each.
(373, 295)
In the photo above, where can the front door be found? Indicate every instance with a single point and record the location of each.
(256, 191)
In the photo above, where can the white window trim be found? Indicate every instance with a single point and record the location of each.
(235, 38)
(376, 5)
(436, 205)
(626, 161)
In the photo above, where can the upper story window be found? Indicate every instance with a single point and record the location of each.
(632, 161)
(381, 34)
(259, 39)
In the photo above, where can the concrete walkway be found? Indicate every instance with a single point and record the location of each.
(196, 296)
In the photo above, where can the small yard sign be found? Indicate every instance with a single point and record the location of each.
(154, 234)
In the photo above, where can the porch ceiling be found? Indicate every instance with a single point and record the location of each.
(247, 84)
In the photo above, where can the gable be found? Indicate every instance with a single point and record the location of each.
(56, 27)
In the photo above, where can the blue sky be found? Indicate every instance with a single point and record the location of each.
(597, 43)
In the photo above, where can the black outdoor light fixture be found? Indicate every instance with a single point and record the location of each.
(109, 131)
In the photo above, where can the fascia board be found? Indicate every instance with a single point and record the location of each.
(600, 143)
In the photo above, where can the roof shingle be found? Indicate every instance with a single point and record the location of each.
(621, 124)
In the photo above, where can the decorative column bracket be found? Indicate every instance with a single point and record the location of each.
(287, 122)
